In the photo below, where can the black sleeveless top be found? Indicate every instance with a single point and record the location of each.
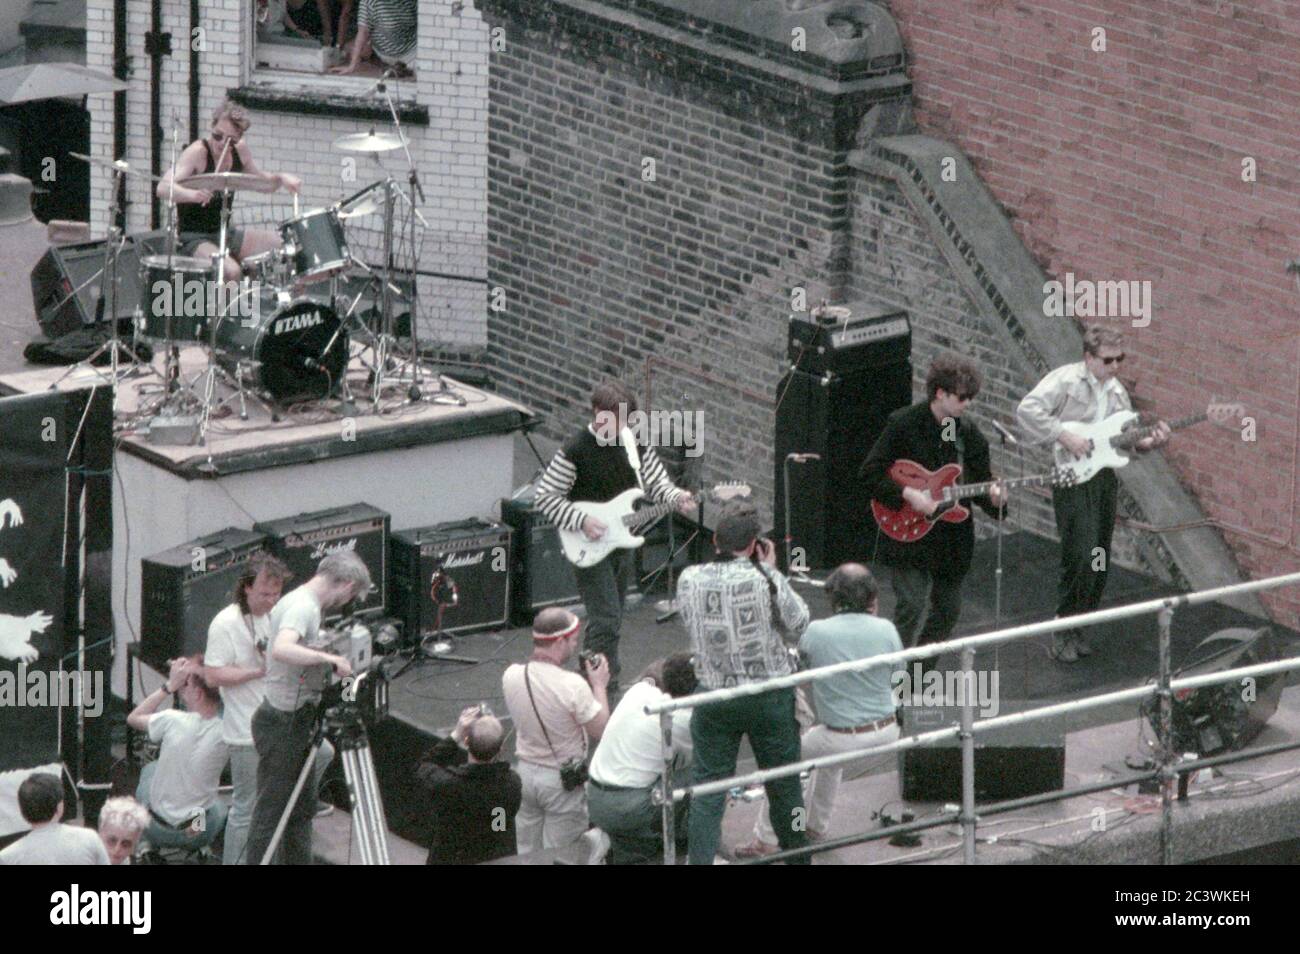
(206, 219)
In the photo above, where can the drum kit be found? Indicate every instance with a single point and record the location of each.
(284, 332)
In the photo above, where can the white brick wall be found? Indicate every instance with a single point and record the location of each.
(451, 153)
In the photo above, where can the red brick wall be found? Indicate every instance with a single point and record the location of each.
(1127, 164)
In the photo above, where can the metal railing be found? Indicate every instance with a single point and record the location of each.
(1164, 687)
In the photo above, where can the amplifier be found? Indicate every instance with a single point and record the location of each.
(847, 338)
(65, 269)
(540, 575)
(303, 541)
(474, 559)
(181, 589)
(1011, 762)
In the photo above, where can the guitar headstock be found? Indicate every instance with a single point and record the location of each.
(1064, 477)
(1225, 413)
(732, 490)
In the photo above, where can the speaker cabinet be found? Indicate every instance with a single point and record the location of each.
(64, 269)
(181, 589)
(470, 560)
(540, 576)
(1011, 762)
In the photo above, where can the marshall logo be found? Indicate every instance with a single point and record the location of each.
(322, 549)
(297, 322)
(454, 560)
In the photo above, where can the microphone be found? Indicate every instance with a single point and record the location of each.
(1006, 435)
(380, 85)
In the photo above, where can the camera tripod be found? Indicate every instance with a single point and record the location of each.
(344, 722)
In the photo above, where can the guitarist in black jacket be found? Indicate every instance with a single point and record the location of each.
(931, 433)
(595, 465)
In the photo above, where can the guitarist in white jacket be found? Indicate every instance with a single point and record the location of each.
(1085, 392)
(596, 465)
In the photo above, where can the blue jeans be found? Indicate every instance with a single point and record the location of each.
(716, 731)
(199, 833)
(243, 776)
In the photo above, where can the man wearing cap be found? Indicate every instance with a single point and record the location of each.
(742, 616)
(556, 714)
(284, 723)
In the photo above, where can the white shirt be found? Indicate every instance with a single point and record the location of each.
(630, 754)
(56, 844)
(189, 766)
(564, 701)
(232, 643)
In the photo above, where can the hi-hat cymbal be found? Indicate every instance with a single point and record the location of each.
(368, 142)
(229, 182)
(119, 166)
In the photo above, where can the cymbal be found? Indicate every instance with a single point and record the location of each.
(367, 206)
(119, 166)
(228, 182)
(368, 142)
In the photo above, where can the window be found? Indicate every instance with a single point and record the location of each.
(312, 37)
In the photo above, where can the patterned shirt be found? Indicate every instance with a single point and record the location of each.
(1070, 394)
(728, 610)
(392, 25)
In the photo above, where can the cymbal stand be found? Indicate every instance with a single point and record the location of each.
(116, 350)
(210, 375)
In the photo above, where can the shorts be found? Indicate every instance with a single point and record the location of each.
(188, 242)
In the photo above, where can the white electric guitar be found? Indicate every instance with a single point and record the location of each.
(624, 521)
(1112, 441)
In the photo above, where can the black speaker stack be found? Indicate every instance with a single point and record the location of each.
(540, 575)
(847, 375)
(65, 269)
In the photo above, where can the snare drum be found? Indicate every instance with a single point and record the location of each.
(176, 297)
(267, 268)
(315, 245)
(296, 347)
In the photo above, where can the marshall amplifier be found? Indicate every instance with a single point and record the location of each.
(303, 541)
(473, 558)
(181, 589)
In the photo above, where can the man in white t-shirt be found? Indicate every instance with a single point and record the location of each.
(235, 661)
(50, 842)
(553, 723)
(629, 762)
(180, 788)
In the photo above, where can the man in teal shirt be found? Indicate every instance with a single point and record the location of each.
(855, 709)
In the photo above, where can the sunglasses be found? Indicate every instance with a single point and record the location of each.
(218, 136)
(1117, 359)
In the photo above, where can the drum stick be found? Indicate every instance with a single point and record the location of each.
(295, 205)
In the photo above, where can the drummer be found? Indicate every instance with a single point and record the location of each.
(198, 211)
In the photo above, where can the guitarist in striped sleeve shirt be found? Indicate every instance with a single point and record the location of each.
(596, 465)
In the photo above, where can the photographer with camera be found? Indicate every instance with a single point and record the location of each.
(285, 722)
(473, 798)
(742, 615)
(555, 712)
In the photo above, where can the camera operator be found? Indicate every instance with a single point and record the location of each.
(473, 797)
(555, 712)
(284, 723)
(235, 662)
(741, 613)
(628, 764)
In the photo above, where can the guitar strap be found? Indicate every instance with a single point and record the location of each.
(628, 441)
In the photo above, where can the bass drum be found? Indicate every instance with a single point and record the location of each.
(297, 348)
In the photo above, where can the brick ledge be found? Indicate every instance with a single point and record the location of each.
(323, 102)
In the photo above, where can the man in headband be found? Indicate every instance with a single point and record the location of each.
(555, 713)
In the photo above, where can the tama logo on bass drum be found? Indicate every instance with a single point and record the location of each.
(288, 323)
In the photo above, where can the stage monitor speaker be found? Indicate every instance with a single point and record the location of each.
(1011, 762)
(834, 404)
(1216, 719)
(64, 268)
(303, 541)
(473, 557)
(540, 575)
(181, 589)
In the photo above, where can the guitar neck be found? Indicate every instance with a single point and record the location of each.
(1133, 435)
(963, 491)
(646, 514)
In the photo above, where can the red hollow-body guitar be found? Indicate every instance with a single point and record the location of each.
(907, 524)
